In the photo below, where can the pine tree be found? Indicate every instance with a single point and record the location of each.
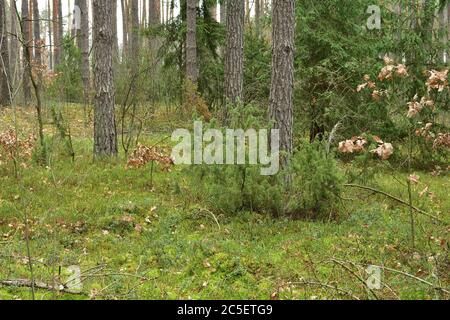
(105, 137)
(191, 42)
(5, 96)
(281, 92)
(234, 55)
(27, 43)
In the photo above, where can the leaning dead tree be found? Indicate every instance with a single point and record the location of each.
(27, 45)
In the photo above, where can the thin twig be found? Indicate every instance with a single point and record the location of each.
(356, 276)
(316, 283)
(396, 199)
(415, 278)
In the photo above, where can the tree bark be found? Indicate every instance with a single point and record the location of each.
(281, 92)
(448, 27)
(60, 29)
(114, 31)
(76, 30)
(124, 28)
(105, 137)
(154, 19)
(167, 11)
(135, 46)
(144, 14)
(5, 89)
(234, 55)
(258, 17)
(83, 37)
(135, 29)
(56, 38)
(14, 44)
(37, 34)
(191, 42)
(49, 22)
(26, 24)
(154, 13)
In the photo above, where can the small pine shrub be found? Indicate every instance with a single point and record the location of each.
(313, 192)
(317, 181)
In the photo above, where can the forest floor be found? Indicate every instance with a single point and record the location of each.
(134, 238)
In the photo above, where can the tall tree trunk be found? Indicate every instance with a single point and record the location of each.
(26, 44)
(154, 19)
(234, 55)
(84, 47)
(76, 30)
(191, 42)
(14, 55)
(443, 31)
(72, 30)
(448, 30)
(167, 10)
(135, 46)
(144, 14)
(125, 50)
(114, 30)
(56, 38)
(258, 17)
(105, 137)
(60, 29)
(49, 26)
(135, 29)
(281, 91)
(5, 89)
(37, 34)
(154, 13)
(247, 11)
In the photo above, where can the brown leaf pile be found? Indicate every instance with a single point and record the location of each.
(389, 70)
(357, 144)
(425, 132)
(354, 145)
(442, 141)
(143, 155)
(376, 94)
(415, 106)
(384, 151)
(437, 80)
(14, 147)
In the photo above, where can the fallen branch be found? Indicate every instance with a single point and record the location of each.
(396, 199)
(353, 273)
(38, 285)
(435, 287)
(328, 286)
